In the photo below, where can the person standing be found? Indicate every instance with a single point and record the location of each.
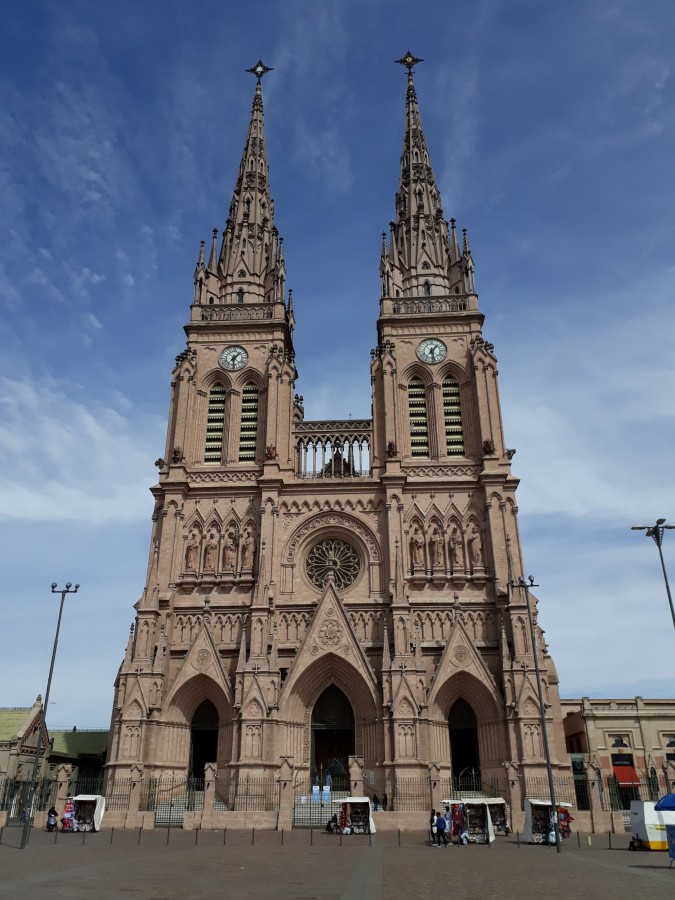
(384, 802)
(440, 830)
(376, 802)
(433, 828)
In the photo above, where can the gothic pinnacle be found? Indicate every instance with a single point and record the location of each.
(213, 257)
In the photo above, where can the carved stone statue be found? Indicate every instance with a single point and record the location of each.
(435, 552)
(391, 450)
(247, 549)
(417, 549)
(192, 553)
(475, 545)
(456, 555)
(211, 555)
(230, 550)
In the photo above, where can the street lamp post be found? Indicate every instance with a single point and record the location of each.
(656, 531)
(68, 589)
(523, 585)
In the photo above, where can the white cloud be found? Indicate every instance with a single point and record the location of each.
(62, 456)
(92, 321)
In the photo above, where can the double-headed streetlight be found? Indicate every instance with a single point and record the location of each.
(656, 531)
(525, 587)
(68, 589)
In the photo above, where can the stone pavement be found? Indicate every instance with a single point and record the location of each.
(198, 865)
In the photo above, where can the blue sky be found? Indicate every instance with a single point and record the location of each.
(551, 129)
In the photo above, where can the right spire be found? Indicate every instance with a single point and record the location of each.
(423, 257)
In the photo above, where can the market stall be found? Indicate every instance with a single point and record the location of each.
(472, 822)
(355, 816)
(539, 824)
(83, 813)
(499, 814)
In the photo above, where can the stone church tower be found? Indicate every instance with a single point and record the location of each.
(335, 595)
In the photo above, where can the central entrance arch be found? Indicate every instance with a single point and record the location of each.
(333, 738)
(463, 728)
(203, 738)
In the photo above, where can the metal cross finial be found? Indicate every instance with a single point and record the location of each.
(403, 667)
(409, 61)
(259, 69)
(256, 669)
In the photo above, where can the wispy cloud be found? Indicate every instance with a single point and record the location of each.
(60, 455)
(313, 52)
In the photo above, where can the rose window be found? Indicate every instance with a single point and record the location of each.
(336, 557)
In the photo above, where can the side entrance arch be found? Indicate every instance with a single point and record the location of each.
(203, 738)
(464, 751)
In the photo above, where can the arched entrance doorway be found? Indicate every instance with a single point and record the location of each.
(464, 742)
(332, 735)
(204, 738)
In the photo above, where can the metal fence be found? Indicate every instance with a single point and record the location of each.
(538, 789)
(15, 798)
(117, 793)
(616, 795)
(411, 794)
(312, 805)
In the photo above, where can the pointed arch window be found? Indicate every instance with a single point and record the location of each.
(417, 415)
(452, 415)
(215, 424)
(427, 289)
(240, 296)
(248, 433)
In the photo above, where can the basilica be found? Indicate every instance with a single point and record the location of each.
(336, 599)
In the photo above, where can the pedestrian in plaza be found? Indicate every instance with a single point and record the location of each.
(376, 802)
(384, 801)
(440, 829)
(433, 828)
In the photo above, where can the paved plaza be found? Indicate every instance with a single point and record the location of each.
(248, 865)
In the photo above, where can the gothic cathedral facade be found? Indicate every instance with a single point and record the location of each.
(329, 594)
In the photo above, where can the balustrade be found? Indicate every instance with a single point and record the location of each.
(333, 449)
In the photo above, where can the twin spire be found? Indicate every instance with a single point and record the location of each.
(423, 257)
(250, 265)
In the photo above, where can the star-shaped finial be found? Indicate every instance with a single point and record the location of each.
(259, 69)
(409, 61)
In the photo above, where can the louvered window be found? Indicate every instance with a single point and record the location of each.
(213, 451)
(249, 424)
(417, 412)
(452, 414)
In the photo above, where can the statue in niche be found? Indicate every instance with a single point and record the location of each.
(435, 548)
(456, 548)
(192, 553)
(475, 545)
(417, 549)
(230, 550)
(211, 555)
(247, 549)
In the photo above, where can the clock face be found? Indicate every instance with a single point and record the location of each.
(432, 351)
(233, 358)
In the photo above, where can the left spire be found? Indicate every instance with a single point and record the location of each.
(250, 265)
